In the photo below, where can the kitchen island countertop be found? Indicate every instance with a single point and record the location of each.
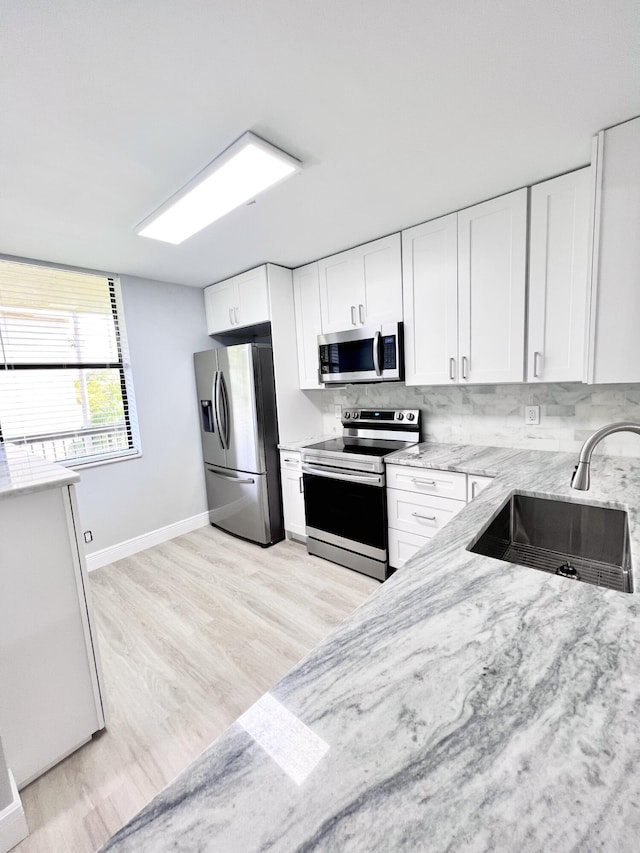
(22, 473)
(468, 704)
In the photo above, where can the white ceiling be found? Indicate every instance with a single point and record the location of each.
(401, 110)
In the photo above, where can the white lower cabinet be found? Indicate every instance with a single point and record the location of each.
(50, 697)
(292, 492)
(402, 546)
(420, 501)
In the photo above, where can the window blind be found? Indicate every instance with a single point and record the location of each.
(65, 383)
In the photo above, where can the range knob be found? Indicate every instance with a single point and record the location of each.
(347, 415)
(356, 414)
(400, 416)
(411, 416)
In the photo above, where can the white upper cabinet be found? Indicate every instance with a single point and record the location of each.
(430, 298)
(306, 297)
(492, 255)
(615, 337)
(362, 286)
(464, 295)
(219, 304)
(239, 301)
(561, 216)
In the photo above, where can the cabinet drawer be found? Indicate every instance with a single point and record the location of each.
(402, 546)
(426, 481)
(421, 514)
(290, 459)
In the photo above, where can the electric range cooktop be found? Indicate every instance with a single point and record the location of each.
(361, 446)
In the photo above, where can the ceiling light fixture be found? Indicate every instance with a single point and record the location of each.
(246, 168)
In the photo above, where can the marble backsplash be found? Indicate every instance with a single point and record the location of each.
(494, 414)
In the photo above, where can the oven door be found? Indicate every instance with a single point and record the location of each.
(346, 509)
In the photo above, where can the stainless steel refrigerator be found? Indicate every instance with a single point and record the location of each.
(236, 393)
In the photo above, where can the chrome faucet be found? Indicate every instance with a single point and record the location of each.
(580, 479)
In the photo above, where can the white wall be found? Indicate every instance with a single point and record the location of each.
(165, 325)
(494, 414)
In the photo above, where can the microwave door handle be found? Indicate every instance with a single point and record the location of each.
(376, 354)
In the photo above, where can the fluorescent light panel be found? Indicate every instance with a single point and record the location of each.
(239, 174)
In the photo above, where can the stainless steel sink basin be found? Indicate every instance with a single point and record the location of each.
(575, 540)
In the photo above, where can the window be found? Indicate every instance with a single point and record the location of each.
(65, 386)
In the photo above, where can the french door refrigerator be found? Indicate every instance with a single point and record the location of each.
(239, 429)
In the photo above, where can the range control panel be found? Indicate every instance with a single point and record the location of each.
(377, 416)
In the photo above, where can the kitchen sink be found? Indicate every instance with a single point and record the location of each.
(574, 540)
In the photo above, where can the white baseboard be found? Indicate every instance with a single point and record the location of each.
(147, 540)
(13, 824)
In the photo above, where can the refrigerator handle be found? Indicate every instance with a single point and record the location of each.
(216, 406)
(225, 410)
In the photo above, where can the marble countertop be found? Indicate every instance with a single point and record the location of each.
(467, 705)
(21, 472)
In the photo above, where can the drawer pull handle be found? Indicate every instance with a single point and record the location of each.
(425, 517)
(423, 482)
(290, 460)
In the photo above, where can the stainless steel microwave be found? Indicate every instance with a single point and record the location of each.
(367, 354)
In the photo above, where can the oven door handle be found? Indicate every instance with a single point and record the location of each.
(340, 474)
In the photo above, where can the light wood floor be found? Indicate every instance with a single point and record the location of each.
(191, 633)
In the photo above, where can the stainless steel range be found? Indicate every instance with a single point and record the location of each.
(344, 487)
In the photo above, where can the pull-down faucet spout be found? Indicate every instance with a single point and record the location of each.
(580, 479)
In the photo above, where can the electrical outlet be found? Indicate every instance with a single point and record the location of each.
(337, 411)
(88, 536)
(532, 415)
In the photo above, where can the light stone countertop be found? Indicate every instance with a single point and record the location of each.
(467, 705)
(21, 472)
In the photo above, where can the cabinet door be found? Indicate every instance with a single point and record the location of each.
(341, 291)
(219, 304)
(430, 299)
(48, 674)
(475, 484)
(616, 298)
(252, 297)
(492, 243)
(382, 276)
(403, 545)
(306, 297)
(558, 268)
(293, 501)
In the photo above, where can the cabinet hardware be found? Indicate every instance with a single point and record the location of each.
(353, 315)
(361, 313)
(452, 369)
(474, 489)
(464, 366)
(423, 482)
(425, 517)
(537, 357)
(300, 485)
(289, 460)
(231, 316)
